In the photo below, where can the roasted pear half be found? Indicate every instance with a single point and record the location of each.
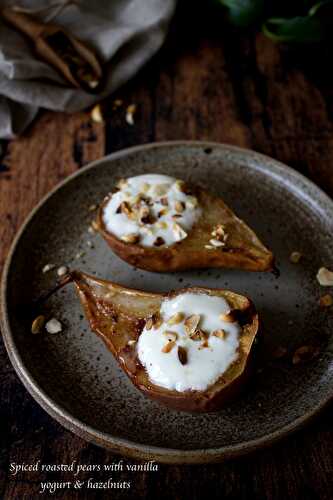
(119, 315)
(218, 238)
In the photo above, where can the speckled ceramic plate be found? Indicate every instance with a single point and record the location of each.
(75, 378)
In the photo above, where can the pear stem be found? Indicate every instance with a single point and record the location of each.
(68, 278)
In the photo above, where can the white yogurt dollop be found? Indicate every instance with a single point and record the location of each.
(163, 198)
(205, 365)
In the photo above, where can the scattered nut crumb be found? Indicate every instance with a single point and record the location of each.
(167, 348)
(182, 355)
(304, 353)
(325, 277)
(93, 83)
(79, 255)
(53, 326)
(48, 267)
(117, 103)
(131, 342)
(37, 324)
(96, 114)
(326, 300)
(62, 270)
(90, 244)
(131, 109)
(295, 257)
(279, 352)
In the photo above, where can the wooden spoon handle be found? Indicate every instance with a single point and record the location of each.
(71, 57)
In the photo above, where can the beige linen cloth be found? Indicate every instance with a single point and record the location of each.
(125, 34)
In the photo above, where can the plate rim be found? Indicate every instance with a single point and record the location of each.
(125, 446)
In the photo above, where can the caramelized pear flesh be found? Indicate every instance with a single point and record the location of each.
(118, 315)
(242, 250)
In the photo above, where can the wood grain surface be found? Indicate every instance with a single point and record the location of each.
(208, 82)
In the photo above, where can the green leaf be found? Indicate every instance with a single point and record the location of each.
(244, 12)
(301, 29)
(321, 8)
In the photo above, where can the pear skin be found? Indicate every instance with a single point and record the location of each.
(243, 249)
(118, 315)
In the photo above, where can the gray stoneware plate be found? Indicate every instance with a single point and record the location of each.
(75, 378)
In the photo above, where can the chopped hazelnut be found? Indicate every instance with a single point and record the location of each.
(48, 267)
(295, 257)
(180, 206)
(192, 323)
(304, 353)
(325, 277)
(216, 243)
(326, 300)
(62, 270)
(130, 238)
(96, 114)
(171, 336)
(279, 352)
(228, 317)
(159, 241)
(220, 334)
(53, 326)
(38, 324)
(168, 347)
(182, 355)
(176, 318)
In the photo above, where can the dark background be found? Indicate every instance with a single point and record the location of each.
(208, 82)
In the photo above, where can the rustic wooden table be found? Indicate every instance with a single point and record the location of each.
(208, 82)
